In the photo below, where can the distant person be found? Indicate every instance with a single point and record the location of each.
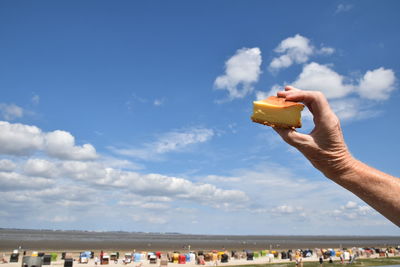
(3, 259)
(326, 149)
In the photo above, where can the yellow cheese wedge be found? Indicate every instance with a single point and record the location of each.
(277, 112)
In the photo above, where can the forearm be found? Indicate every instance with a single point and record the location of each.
(380, 190)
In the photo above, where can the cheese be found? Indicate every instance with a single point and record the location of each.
(277, 112)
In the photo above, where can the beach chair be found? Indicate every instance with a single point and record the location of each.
(46, 260)
(83, 260)
(153, 259)
(200, 260)
(127, 259)
(224, 258)
(163, 260)
(105, 260)
(14, 256)
(68, 262)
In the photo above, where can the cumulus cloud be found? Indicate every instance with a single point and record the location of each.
(176, 140)
(61, 144)
(156, 203)
(150, 184)
(242, 70)
(14, 181)
(79, 183)
(295, 50)
(377, 84)
(7, 165)
(353, 211)
(39, 167)
(20, 139)
(10, 111)
(322, 78)
(353, 108)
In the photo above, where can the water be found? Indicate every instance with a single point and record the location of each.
(48, 239)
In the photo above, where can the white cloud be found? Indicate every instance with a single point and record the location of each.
(59, 219)
(326, 50)
(296, 50)
(145, 202)
(272, 92)
(7, 165)
(120, 163)
(353, 108)
(287, 209)
(172, 141)
(21, 139)
(220, 179)
(377, 84)
(61, 144)
(14, 181)
(158, 102)
(90, 177)
(39, 167)
(322, 78)
(242, 70)
(149, 218)
(343, 8)
(11, 111)
(353, 211)
(350, 205)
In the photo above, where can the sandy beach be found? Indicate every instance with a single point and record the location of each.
(146, 263)
(74, 242)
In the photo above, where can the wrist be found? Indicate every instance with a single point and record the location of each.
(341, 168)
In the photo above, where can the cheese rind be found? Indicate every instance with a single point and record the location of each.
(277, 112)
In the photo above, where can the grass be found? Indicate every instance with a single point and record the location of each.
(358, 262)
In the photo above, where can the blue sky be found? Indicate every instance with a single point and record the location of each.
(135, 115)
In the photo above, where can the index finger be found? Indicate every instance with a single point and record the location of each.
(314, 100)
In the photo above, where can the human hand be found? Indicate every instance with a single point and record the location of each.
(324, 146)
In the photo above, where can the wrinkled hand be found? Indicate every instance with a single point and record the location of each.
(324, 146)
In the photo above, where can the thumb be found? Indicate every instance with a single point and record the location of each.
(293, 137)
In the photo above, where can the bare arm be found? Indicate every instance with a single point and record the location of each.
(327, 151)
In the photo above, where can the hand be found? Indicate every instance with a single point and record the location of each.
(327, 151)
(324, 147)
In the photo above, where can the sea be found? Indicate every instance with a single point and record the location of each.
(59, 240)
